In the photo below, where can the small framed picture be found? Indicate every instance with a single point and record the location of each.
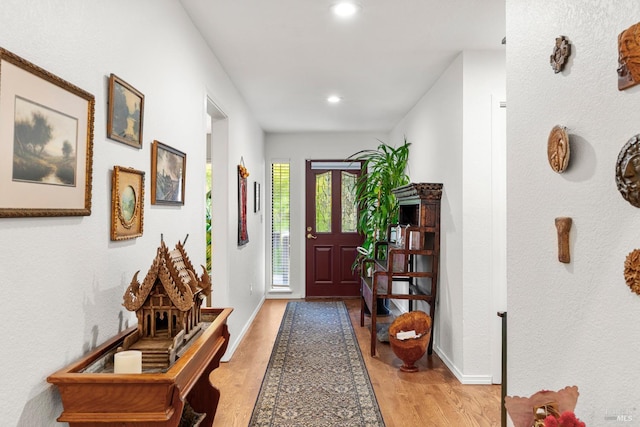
(46, 142)
(125, 112)
(127, 203)
(168, 169)
(256, 196)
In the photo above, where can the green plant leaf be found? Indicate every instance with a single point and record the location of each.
(383, 170)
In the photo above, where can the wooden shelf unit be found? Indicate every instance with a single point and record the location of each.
(147, 399)
(414, 261)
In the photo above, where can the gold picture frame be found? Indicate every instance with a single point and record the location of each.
(46, 142)
(125, 112)
(127, 203)
(168, 175)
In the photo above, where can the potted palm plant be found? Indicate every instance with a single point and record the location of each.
(383, 170)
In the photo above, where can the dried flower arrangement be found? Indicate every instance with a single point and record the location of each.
(536, 409)
(242, 170)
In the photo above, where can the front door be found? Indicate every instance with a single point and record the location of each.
(330, 228)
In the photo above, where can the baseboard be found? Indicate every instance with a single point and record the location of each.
(464, 379)
(234, 345)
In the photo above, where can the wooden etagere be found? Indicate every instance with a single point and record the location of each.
(405, 264)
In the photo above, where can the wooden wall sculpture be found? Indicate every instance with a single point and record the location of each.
(563, 226)
(558, 149)
(628, 171)
(632, 271)
(629, 57)
(561, 52)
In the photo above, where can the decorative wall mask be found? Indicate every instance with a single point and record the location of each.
(558, 149)
(632, 271)
(563, 226)
(561, 52)
(628, 171)
(629, 57)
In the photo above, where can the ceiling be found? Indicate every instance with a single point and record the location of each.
(287, 56)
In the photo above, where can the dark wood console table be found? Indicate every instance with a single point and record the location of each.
(147, 399)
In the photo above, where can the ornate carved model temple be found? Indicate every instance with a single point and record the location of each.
(168, 306)
(181, 343)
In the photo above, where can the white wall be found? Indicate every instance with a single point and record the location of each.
(483, 88)
(435, 129)
(62, 278)
(296, 148)
(577, 323)
(451, 135)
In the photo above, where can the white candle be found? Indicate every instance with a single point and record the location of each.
(127, 362)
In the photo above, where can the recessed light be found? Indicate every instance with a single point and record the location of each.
(333, 99)
(345, 9)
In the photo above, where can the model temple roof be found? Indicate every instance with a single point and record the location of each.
(174, 272)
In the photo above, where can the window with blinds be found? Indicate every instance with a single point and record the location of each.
(280, 225)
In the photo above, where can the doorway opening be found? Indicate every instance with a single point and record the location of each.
(217, 199)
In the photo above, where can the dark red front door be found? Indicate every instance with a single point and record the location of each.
(330, 228)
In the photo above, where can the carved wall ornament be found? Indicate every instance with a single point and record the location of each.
(561, 52)
(563, 226)
(558, 149)
(632, 271)
(628, 171)
(629, 57)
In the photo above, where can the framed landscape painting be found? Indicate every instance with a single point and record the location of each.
(168, 169)
(127, 203)
(46, 142)
(125, 112)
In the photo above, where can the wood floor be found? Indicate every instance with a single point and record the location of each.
(432, 397)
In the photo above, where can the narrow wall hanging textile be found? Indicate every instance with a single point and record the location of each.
(243, 234)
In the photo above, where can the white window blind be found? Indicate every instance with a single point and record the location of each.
(280, 225)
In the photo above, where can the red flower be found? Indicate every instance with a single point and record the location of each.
(567, 419)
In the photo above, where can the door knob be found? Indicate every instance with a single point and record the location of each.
(311, 236)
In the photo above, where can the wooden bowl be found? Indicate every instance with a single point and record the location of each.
(412, 349)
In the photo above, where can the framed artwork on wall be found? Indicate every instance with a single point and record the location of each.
(127, 203)
(125, 112)
(46, 142)
(168, 175)
(256, 196)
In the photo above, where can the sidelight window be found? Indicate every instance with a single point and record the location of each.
(280, 225)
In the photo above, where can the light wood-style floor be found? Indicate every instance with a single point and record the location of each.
(432, 397)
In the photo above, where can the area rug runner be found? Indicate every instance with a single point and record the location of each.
(316, 376)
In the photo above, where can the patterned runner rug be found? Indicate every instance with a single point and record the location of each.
(316, 376)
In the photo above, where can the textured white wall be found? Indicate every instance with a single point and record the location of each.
(451, 135)
(571, 323)
(435, 129)
(298, 147)
(62, 279)
(484, 88)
